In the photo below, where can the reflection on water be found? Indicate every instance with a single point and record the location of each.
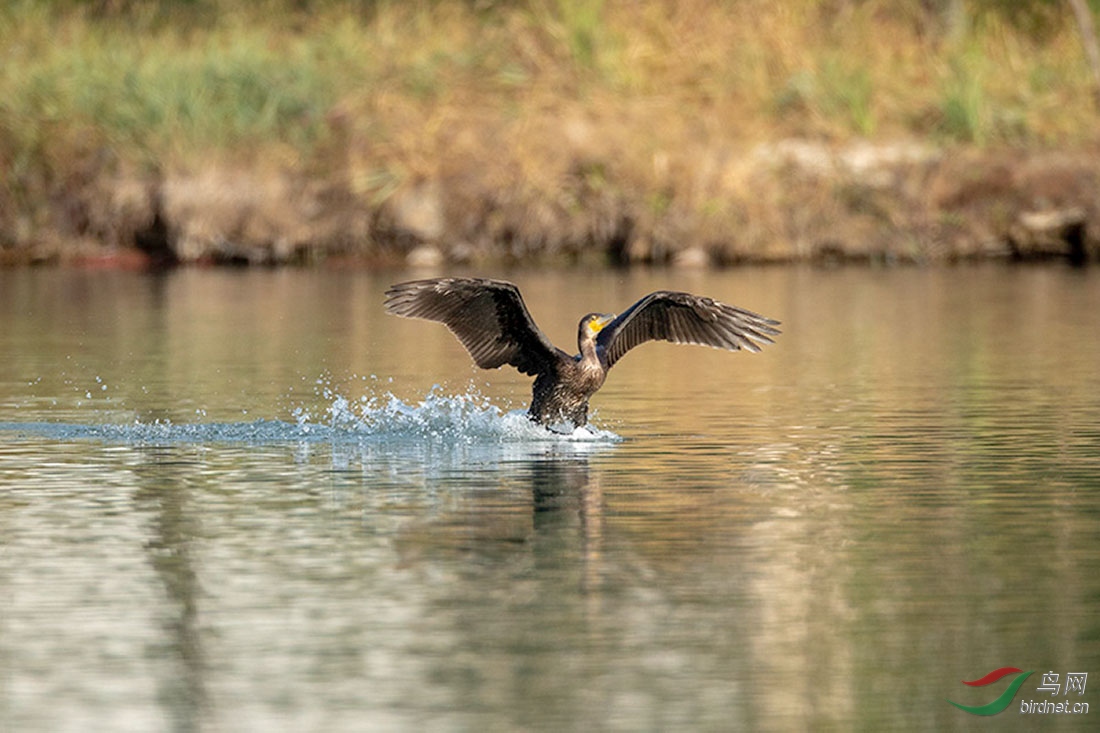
(237, 500)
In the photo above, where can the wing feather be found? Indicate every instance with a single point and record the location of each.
(683, 318)
(489, 318)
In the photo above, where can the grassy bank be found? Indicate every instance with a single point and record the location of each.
(296, 131)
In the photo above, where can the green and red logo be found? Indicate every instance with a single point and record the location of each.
(1005, 698)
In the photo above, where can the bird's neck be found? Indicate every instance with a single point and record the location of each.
(589, 356)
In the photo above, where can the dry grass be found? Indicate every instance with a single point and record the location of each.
(550, 126)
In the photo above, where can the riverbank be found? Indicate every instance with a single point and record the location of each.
(580, 131)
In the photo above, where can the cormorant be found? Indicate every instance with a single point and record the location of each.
(491, 320)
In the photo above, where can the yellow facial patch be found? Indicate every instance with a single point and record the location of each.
(596, 324)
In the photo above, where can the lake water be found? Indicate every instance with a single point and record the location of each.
(249, 500)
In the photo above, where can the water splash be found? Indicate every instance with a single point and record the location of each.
(468, 418)
(438, 419)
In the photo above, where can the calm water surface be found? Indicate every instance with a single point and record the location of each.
(252, 501)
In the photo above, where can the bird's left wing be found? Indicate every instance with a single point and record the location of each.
(683, 318)
(489, 317)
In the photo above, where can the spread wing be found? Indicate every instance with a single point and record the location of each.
(683, 318)
(489, 317)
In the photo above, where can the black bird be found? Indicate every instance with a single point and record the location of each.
(491, 320)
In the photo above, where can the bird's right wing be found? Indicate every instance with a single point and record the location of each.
(489, 317)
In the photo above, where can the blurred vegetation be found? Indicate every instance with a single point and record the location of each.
(388, 91)
(182, 76)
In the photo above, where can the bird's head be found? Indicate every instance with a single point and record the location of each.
(591, 325)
